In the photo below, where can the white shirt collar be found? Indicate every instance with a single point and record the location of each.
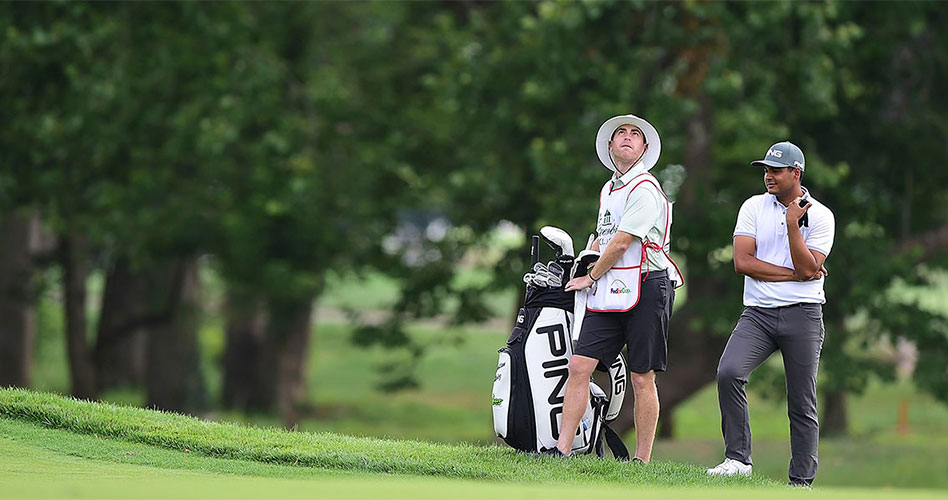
(619, 181)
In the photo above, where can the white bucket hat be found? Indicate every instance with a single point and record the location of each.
(649, 159)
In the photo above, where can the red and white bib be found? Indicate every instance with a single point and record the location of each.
(618, 290)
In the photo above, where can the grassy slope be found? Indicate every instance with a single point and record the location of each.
(333, 451)
(39, 462)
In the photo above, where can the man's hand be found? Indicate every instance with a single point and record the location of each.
(579, 283)
(795, 211)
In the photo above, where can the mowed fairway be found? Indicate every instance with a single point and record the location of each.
(41, 462)
(33, 471)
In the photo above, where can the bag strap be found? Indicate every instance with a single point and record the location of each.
(619, 450)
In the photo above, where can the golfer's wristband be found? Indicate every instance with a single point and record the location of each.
(591, 276)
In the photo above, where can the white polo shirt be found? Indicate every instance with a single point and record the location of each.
(764, 218)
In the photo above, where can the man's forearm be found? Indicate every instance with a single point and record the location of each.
(765, 271)
(613, 251)
(803, 261)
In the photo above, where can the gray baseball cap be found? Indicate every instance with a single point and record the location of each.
(783, 154)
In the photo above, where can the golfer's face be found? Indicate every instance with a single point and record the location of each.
(779, 179)
(627, 144)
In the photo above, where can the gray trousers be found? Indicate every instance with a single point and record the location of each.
(797, 331)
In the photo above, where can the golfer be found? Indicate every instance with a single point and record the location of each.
(781, 240)
(632, 282)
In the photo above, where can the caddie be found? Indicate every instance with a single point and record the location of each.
(632, 284)
(781, 240)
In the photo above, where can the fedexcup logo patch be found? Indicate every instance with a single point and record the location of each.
(619, 287)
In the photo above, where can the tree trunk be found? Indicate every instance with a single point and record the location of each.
(72, 254)
(697, 158)
(666, 424)
(173, 378)
(120, 341)
(284, 358)
(692, 364)
(835, 416)
(245, 332)
(17, 318)
(292, 364)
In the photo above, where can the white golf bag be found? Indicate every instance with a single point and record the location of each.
(531, 376)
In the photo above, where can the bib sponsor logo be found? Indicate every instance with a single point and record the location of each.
(606, 218)
(619, 287)
(606, 228)
(606, 225)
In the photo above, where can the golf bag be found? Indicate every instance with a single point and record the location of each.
(531, 379)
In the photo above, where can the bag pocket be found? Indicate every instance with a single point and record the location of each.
(500, 394)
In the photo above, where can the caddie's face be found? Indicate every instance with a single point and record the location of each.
(779, 180)
(627, 144)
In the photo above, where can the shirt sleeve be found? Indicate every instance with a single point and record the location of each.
(747, 219)
(642, 209)
(822, 232)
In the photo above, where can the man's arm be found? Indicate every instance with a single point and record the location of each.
(747, 263)
(614, 250)
(806, 262)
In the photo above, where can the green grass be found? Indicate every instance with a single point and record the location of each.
(41, 462)
(53, 447)
(334, 451)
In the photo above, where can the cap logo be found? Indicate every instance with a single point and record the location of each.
(776, 153)
(797, 164)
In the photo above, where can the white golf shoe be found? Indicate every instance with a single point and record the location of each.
(730, 467)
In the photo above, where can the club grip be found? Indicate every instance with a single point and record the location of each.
(534, 250)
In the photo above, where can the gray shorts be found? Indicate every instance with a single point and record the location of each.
(642, 329)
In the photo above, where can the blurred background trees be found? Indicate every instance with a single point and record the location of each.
(274, 144)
